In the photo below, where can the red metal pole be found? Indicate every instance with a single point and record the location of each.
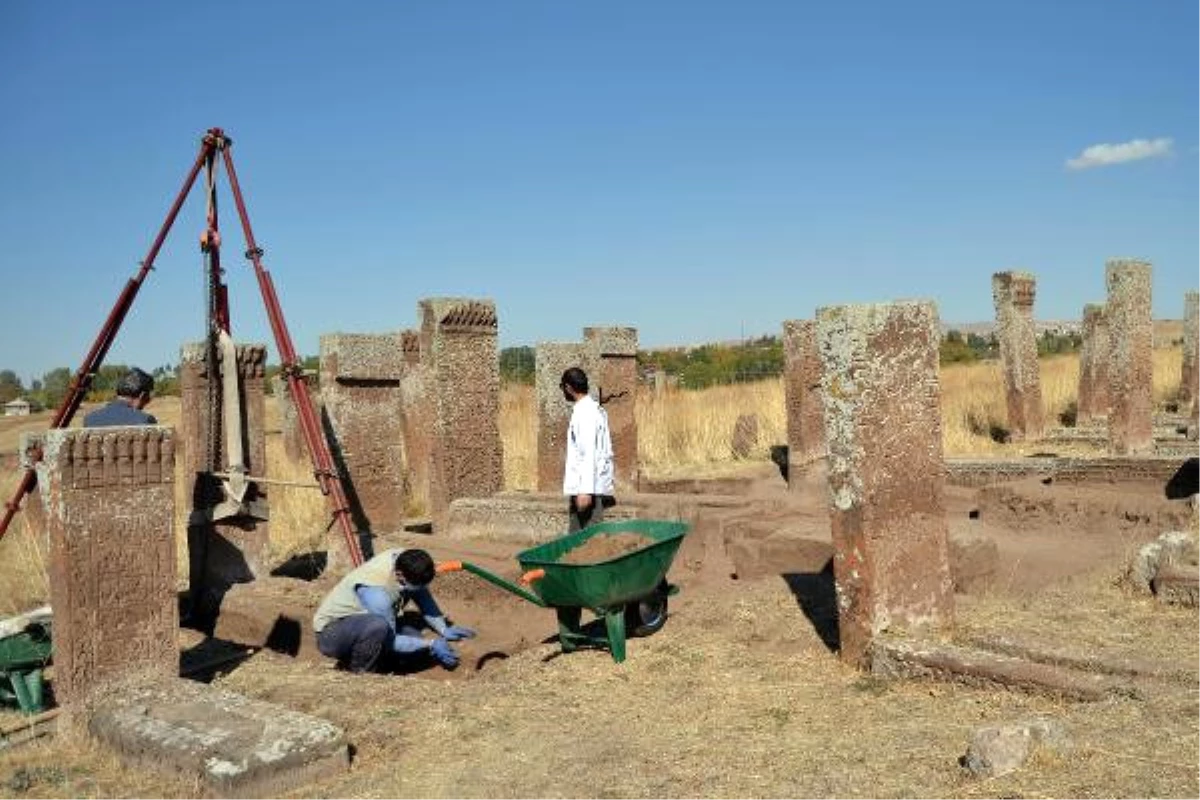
(82, 379)
(318, 448)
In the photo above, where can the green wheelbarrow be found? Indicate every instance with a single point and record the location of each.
(25, 650)
(628, 591)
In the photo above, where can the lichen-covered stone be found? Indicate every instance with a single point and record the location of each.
(361, 408)
(238, 746)
(107, 498)
(1094, 354)
(1189, 375)
(1013, 294)
(1131, 368)
(885, 470)
(802, 397)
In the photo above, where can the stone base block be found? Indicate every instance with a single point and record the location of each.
(1177, 585)
(895, 658)
(982, 471)
(237, 746)
(529, 519)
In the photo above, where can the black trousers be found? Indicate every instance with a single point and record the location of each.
(581, 518)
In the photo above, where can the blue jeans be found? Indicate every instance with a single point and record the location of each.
(355, 641)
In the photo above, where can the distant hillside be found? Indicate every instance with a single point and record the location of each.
(1166, 331)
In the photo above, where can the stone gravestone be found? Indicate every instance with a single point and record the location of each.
(464, 394)
(1092, 403)
(1013, 295)
(107, 497)
(551, 359)
(1131, 365)
(802, 397)
(360, 392)
(1189, 377)
(234, 549)
(615, 380)
(886, 473)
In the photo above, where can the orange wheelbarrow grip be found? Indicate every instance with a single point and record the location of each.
(448, 566)
(533, 575)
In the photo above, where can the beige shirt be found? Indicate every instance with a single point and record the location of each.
(342, 601)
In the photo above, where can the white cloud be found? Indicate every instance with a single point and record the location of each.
(1105, 155)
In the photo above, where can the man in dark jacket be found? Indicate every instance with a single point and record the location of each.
(133, 394)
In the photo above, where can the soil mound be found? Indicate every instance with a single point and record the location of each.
(606, 546)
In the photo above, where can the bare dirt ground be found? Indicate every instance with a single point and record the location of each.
(741, 694)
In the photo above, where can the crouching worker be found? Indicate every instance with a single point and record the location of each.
(356, 622)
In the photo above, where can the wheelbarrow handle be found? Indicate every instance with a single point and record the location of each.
(532, 575)
(492, 578)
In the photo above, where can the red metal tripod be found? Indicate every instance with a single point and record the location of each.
(214, 145)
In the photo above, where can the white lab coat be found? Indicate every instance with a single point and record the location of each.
(589, 467)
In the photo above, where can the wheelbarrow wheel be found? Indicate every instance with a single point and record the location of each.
(647, 615)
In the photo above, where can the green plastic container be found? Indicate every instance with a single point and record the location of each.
(22, 658)
(604, 585)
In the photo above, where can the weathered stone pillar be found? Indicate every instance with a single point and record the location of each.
(416, 420)
(109, 506)
(1189, 374)
(291, 434)
(467, 460)
(360, 391)
(1092, 403)
(1013, 294)
(550, 360)
(802, 396)
(233, 549)
(616, 381)
(886, 475)
(1131, 370)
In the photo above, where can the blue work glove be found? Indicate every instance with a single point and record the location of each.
(456, 632)
(444, 653)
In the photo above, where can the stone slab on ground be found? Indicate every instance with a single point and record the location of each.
(982, 471)
(532, 518)
(916, 658)
(237, 746)
(1088, 659)
(1177, 585)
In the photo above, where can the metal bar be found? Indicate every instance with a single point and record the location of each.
(270, 481)
(318, 448)
(507, 586)
(82, 380)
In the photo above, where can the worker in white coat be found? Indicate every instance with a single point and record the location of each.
(588, 475)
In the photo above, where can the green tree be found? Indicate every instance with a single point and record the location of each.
(954, 349)
(54, 386)
(10, 386)
(517, 365)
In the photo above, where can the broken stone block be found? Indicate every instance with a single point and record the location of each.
(1001, 749)
(238, 746)
(745, 435)
(1176, 585)
(1171, 548)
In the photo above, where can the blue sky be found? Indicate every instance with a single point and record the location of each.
(699, 170)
